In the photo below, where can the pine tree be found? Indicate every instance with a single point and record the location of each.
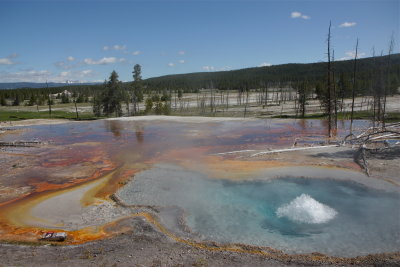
(137, 95)
(3, 101)
(112, 96)
(16, 101)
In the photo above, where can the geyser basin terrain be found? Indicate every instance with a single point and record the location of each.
(296, 215)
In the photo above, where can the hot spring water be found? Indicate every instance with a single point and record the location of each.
(296, 215)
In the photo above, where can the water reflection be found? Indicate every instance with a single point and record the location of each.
(114, 126)
(303, 124)
(139, 132)
(86, 150)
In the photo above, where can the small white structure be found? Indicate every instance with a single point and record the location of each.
(65, 92)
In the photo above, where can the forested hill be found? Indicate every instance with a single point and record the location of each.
(254, 77)
(368, 69)
(38, 85)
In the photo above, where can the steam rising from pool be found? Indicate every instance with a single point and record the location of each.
(305, 209)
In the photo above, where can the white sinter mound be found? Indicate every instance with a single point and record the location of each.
(305, 209)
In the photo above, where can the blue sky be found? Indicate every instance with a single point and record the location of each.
(85, 40)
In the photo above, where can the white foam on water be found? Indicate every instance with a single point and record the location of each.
(305, 209)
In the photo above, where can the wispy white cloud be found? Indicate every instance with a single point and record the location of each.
(25, 76)
(171, 64)
(45, 75)
(181, 53)
(208, 68)
(63, 65)
(65, 73)
(102, 61)
(72, 76)
(212, 68)
(114, 47)
(86, 72)
(182, 61)
(299, 15)
(225, 68)
(347, 24)
(295, 14)
(70, 63)
(352, 54)
(119, 47)
(8, 60)
(265, 64)
(136, 53)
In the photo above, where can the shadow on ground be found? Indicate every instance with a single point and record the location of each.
(385, 154)
(340, 154)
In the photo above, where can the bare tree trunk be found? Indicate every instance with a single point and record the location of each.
(342, 104)
(47, 86)
(76, 110)
(334, 90)
(134, 104)
(391, 46)
(37, 103)
(353, 89)
(374, 90)
(227, 99)
(247, 101)
(175, 98)
(127, 102)
(329, 84)
(211, 100)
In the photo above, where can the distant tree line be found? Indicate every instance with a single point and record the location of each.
(313, 73)
(252, 78)
(331, 82)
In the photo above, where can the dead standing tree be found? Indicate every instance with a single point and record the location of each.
(391, 46)
(137, 87)
(49, 98)
(329, 85)
(353, 90)
(247, 101)
(335, 96)
(303, 90)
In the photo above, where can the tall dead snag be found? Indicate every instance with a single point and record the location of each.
(49, 98)
(227, 99)
(391, 46)
(303, 89)
(375, 90)
(137, 88)
(247, 101)
(353, 90)
(329, 82)
(334, 92)
(76, 109)
(37, 102)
